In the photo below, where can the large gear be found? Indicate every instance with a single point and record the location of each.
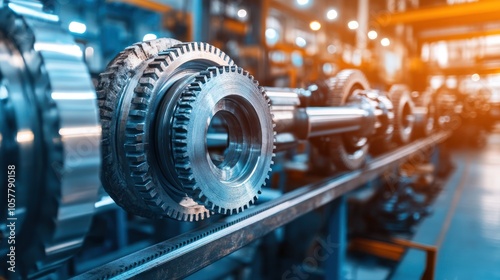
(426, 124)
(230, 183)
(348, 151)
(140, 133)
(51, 135)
(403, 113)
(117, 82)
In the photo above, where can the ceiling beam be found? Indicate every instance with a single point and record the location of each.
(458, 35)
(448, 13)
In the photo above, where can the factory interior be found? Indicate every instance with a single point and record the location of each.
(238, 140)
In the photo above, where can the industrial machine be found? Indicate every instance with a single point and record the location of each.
(175, 130)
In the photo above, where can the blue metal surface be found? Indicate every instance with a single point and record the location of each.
(337, 234)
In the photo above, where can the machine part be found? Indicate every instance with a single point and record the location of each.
(49, 140)
(348, 151)
(384, 126)
(403, 113)
(139, 121)
(316, 94)
(291, 117)
(229, 182)
(425, 115)
(448, 107)
(116, 83)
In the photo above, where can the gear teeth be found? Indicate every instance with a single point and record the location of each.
(110, 87)
(135, 127)
(182, 117)
(134, 147)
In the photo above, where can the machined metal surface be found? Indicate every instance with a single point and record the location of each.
(51, 135)
(348, 151)
(158, 128)
(404, 118)
(226, 181)
(185, 254)
(140, 113)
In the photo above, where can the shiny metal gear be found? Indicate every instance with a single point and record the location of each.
(425, 115)
(139, 117)
(50, 133)
(384, 110)
(229, 181)
(403, 113)
(347, 151)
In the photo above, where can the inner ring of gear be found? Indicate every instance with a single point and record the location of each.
(232, 184)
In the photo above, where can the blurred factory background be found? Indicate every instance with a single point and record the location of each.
(432, 216)
(291, 43)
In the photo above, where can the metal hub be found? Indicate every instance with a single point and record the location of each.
(231, 182)
(156, 175)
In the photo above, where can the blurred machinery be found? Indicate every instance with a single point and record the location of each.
(176, 130)
(49, 139)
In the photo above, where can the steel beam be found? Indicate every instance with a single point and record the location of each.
(453, 14)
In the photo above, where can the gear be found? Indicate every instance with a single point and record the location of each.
(347, 151)
(230, 182)
(140, 133)
(55, 151)
(403, 113)
(117, 82)
(425, 126)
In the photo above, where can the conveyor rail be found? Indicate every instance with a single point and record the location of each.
(187, 253)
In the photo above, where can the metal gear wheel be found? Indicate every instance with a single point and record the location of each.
(424, 127)
(347, 151)
(50, 133)
(230, 181)
(404, 120)
(140, 133)
(116, 83)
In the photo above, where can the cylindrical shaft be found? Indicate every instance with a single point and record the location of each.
(333, 120)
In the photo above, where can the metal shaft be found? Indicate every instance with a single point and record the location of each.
(333, 120)
(304, 123)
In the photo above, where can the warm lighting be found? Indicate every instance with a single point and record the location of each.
(301, 42)
(475, 77)
(149, 37)
(242, 13)
(302, 2)
(385, 42)
(271, 33)
(315, 25)
(77, 27)
(332, 14)
(372, 35)
(331, 49)
(25, 136)
(353, 25)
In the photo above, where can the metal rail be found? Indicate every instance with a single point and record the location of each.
(187, 253)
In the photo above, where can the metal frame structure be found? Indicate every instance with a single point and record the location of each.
(187, 253)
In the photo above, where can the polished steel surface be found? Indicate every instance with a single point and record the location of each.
(226, 181)
(142, 170)
(333, 120)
